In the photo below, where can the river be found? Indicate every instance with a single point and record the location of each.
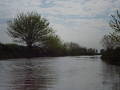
(59, 73)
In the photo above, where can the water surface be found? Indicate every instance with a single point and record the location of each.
(59, 73)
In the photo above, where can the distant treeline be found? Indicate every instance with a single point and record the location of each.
(8, 51)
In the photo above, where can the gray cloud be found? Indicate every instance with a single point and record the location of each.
(81, 21)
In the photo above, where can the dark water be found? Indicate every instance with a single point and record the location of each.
(59, 73)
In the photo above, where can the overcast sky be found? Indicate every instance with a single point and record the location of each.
(81, 21)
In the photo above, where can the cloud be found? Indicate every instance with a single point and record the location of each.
(84, 8)
(81, 21)
(4, 38)
(85, 32)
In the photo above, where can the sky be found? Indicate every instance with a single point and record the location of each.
(81, 21)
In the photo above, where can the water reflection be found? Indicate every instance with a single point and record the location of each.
(111, 76)
(31, 76)
(60, 73)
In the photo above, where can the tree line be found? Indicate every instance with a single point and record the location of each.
(35, 37)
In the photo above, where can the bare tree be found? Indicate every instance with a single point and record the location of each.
(107, 42)
(115, 25)
(113, 39)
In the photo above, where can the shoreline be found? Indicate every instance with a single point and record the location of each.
(5, 59)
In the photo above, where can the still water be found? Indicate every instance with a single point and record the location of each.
(59, 73)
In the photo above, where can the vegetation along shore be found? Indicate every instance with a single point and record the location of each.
(111, 42)
(34, 37)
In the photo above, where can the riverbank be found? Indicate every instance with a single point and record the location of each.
(111, 56)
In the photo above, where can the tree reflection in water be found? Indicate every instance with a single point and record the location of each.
(111, 76)
(66, 73)
(28, 76)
